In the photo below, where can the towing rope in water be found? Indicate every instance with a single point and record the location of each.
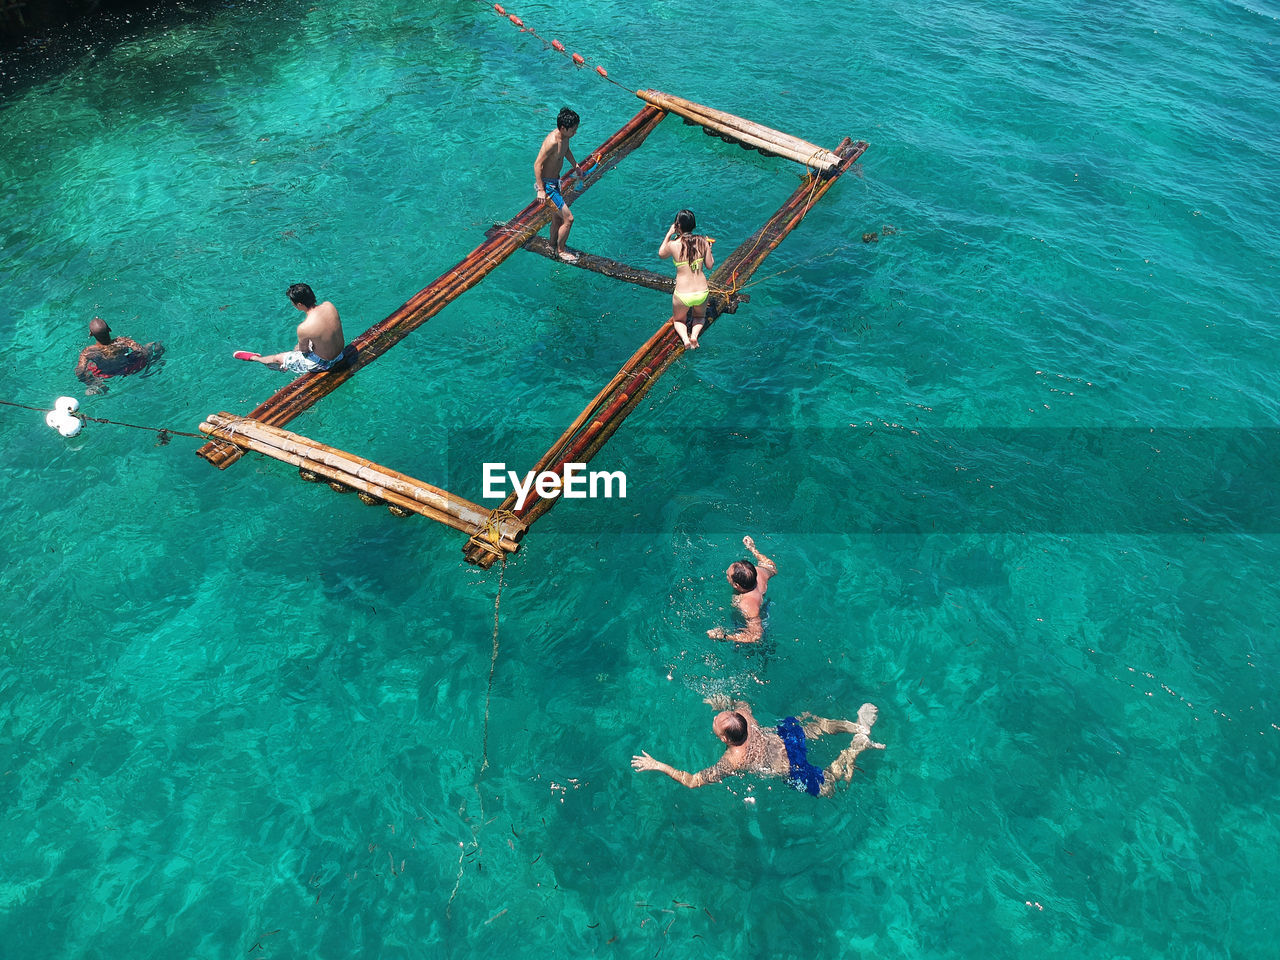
(493, 663)
(488, 696)
(734, 286)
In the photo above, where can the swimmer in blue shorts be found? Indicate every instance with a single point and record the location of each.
(546, 179)
(781, 751)
(321, 344)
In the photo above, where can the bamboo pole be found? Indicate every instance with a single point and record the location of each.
(603, 265)
(627, 389)
(258, 445)
(719, 120)
(745, 131)
(350, 463)
(364, 475)
(300, 394)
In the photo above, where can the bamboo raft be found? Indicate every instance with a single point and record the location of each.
(603, 265)
(376, 485)
(302, 393)
(494, 533)
(604, 415)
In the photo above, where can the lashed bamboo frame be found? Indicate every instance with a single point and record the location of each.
(495, 533)
(602, 417)
(291, 400)
(377, 482)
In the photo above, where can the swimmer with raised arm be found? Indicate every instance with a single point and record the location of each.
(749, 582)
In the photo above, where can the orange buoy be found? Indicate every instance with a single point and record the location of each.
(603, 72)
(578, 59)
(516, 20)
(501, 12)
(558, 45)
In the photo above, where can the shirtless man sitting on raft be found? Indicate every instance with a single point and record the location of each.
(320, 341)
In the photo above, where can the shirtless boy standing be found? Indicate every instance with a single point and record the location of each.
(546, 179)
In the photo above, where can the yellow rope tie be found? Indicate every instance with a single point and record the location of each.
(493, 529)
(813, 189)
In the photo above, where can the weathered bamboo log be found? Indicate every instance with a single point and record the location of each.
(721, 122)
(752, 134)
(301, 393)
(628, 387)
(339, 481)
(363, 475)
(610, 268)
(350, 463)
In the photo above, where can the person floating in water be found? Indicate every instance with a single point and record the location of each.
(749, 584)
(546, 179)
(780, 751)
(692, 257)
(112, 357)
(320, 341)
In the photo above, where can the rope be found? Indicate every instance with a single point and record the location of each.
(577, 58)
(488, 696)
(803, 263)
(734, 286)
(493, 663)
(164, 432)
(492, 529)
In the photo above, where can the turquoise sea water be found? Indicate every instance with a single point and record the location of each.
(1014, 461)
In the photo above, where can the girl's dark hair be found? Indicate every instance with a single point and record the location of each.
(686, 223)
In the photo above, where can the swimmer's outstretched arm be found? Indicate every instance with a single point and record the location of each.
(645, 762)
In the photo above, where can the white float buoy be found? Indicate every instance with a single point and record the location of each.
(62, 417)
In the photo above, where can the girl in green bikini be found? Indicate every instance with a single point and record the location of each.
(692, 257)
